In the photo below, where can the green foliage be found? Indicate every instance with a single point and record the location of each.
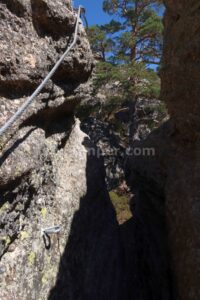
(134, 79)
(112, 27)
(104, 72)
(139, 32)
(100, 43)
(127, 45)
(137, 36)
(119, 127)
(161, 108)
(151, 84)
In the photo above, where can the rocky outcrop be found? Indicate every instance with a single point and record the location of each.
(29, 51)
(180, 75)
(167, 183)
(47, 173)
(181, 93)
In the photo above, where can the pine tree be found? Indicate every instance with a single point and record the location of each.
(138, 34)
(128, 44)
(99, 41)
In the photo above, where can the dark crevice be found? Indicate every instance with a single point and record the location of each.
(12, 239)
(54, 120)
(144, 240)
(14, 89)
(68, 86)
(10, 186)
(15, 7)
(31, 193)
(143, 248)
(91, 265)
(67, 134)
(9, 224)
(68, 75)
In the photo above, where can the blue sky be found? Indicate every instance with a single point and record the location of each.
(94, 12)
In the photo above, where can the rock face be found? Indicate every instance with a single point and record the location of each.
(47, 174)
(181, 92)
(181, 60)
(167, 183)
